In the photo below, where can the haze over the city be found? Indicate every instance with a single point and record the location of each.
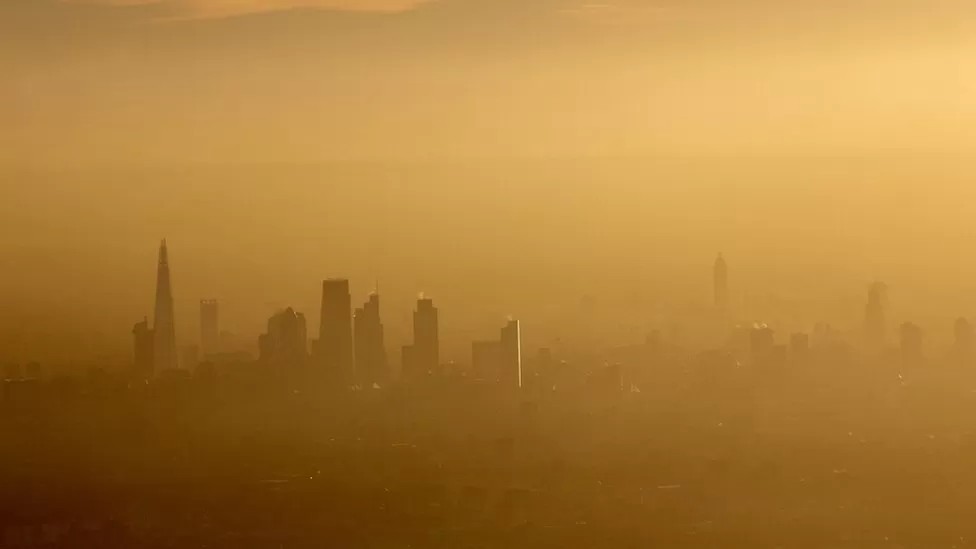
(487, 273)
(511, 156)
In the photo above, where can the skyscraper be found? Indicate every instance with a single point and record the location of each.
(761, 342)
(423, 357)
(164, 326)
(209, 328)
(874, 314)
(511, 354)
(286, 342)
(335, 332)
(371, 365)
(500, 360)
(720, 279)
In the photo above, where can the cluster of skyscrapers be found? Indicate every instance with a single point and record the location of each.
(350, 349)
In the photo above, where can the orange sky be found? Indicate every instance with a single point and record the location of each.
(313, 80)
(819, 143)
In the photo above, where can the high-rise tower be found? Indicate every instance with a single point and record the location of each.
(423, 357)
(371, 365)
(721, 281)
(286, 343)
(874, 314)
(335, 332)
(511, 346)
(164, 327)
(500, 360)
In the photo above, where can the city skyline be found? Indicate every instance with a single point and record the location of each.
(445, 274)
(351, 348)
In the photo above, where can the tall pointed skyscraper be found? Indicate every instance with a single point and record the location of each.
(721, 281)
(164, 327)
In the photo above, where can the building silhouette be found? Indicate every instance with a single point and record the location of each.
(500, 360)
(335, 332)
(286, 341)
(423, 356)
(143, 340)
(874, 314)
(370, 352)
(164, 326)
(511, 342)
(720, 279)
(209, 327)
(761, 342)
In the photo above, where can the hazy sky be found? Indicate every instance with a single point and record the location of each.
(563, 111)
(129, 81)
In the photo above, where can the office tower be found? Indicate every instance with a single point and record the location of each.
(371, 366)
(721, 281)
(164, 326)
(423, 356)
(500, 360)
(964, 335)
(761, 342)
(511, 343)
(911, 342)
(209, 327)
(426, 335)
(874, 314)
(335, 332)
(286, 341)
(143, 339)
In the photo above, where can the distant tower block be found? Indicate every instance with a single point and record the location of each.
(423, 356)
(370, 351)
(335, 345)
(500, 360)
(164, 326)
(874, 314)
(286, 342)
(511, 345)
(209, 327)
(720, 279)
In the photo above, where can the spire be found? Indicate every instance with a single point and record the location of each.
(163, 321)
(163, 253)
